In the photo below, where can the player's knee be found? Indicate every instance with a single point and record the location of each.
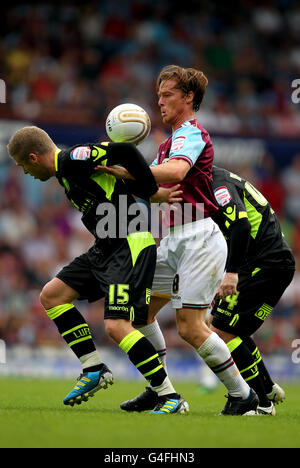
(110, 328)
(48, 297)
(117, 329)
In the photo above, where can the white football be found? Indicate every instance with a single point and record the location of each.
(128, 123)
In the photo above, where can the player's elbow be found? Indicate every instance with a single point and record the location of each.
(180, 168)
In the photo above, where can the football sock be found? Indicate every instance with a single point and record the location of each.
(144, 357)
(76, 333)
(263, 372)
(154, 334)
(247, 365)
(216, 355)
(90, 361)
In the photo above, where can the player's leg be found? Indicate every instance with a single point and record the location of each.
(197, 281)
(274, 392)
(132, 306)
(241, 315)
(214, 352)
(144, 357)
(229, 321)
(148, 399)
(152, 330)
(57, 298)
(247, 366)
(270, 288)
(161, 286)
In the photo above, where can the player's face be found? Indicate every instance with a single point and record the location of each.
(32, 166)
(174, 105)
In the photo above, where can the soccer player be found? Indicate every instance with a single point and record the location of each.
(260, 266)
(191, 259)
(118, 268)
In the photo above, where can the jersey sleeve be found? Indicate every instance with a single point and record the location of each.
(232, 216)
(187, 144)
(132, 159)
(231, 205)
(81, 160)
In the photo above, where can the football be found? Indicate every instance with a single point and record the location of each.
(128, 123)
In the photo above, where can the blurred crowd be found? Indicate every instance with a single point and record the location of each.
(72, 62)
(83, 58)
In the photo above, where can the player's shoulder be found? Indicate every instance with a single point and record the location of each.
(224, 177)
(85, 151)
(225, 186)
(220, 176)
(189, 128)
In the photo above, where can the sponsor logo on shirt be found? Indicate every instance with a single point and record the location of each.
(178, 143)
(222, 195)
(81, 153)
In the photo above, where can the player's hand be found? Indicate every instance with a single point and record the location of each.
(228, 285)
(175, 193)
(118, 172)
(168, 195)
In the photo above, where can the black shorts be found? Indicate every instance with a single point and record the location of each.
(122, 276)
(257, 294)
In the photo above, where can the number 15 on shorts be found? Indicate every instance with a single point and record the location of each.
(118, 294)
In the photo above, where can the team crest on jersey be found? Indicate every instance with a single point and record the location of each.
(222, 195)
(178, 143)
(82, 153)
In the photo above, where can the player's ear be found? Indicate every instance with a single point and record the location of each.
(190, 97)
(32, 158)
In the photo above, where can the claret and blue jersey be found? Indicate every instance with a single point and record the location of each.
(192, 143)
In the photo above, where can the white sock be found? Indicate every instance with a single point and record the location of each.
(216, 355)
(89, 360)
(154, 334)
(165, 388)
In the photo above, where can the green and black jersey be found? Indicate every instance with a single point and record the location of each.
(94, 193)
(249, 224)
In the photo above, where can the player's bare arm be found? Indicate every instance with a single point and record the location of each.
(118, 172)
(172, 171)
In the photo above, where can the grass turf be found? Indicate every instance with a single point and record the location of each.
(32, 416)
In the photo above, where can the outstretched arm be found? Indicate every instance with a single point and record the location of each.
(173, 171)
(137, 172)
(239, 236)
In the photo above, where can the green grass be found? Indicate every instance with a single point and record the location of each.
(32, 415)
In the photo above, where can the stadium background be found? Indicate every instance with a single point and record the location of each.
(65, 67)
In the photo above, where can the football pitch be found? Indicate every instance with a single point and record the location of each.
(32, 416)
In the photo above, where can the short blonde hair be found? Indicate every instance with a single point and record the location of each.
(188, 79)
(28, 140)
